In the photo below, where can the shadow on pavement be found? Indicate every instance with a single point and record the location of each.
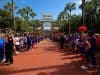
(71, 68)
(42, 73)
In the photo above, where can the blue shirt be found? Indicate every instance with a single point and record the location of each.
(2, 43)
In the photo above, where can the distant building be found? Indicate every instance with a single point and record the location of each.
(47, 17)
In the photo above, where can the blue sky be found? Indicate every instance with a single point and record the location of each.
(41, 6)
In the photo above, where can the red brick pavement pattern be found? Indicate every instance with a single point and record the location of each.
(45, 59)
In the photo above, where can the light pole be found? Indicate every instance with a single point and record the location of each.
(83, 12)
(63, 23)
(69, 23)
(98, 7)
(13, 19)
(98, 12)
(83, 28)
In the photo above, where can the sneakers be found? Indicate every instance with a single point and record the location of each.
(17, 52)
(83, 67)
(90, 65)
(10, 63)
(3, 60)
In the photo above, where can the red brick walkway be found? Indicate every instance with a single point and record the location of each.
(45, 59)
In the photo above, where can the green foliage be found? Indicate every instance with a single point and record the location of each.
(64, 18)
(5, 19)
(22, 24)
(69, 7)
(92, 17)
(26, 13)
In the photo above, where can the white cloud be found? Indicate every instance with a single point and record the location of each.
(78, 2)
(88, 0)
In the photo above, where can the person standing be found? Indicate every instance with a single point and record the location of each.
(62, 40)
(29, 41)
(2, 46)
(84, 46)
(9, 46)
(17, 43)
(92, 51)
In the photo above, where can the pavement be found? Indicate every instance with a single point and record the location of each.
(47, 59)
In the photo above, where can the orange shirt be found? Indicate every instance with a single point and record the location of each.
(98, 41)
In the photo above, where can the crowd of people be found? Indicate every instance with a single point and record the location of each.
(13, 44)
(84, 43)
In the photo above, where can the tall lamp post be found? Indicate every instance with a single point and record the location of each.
(13, 19)
(98, 8)
(83, 12)
(83, 28)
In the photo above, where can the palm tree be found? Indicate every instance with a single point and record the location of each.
(83, 12)
(28, 10)
(11, 7)
(32, 14)
(59, 20)
(68, 8)
(5, 18)
(26, 13)
(8, 6)
(21, 12)
(60, 17)
(63, 15)
(92, 17)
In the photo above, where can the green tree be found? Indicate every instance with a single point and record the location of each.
(92, 18)
(21, 12)
(26, 13)
(61, 19)
(8, 7)
(32, 14)
(27, 10)
(68, 8)
(5, 19)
